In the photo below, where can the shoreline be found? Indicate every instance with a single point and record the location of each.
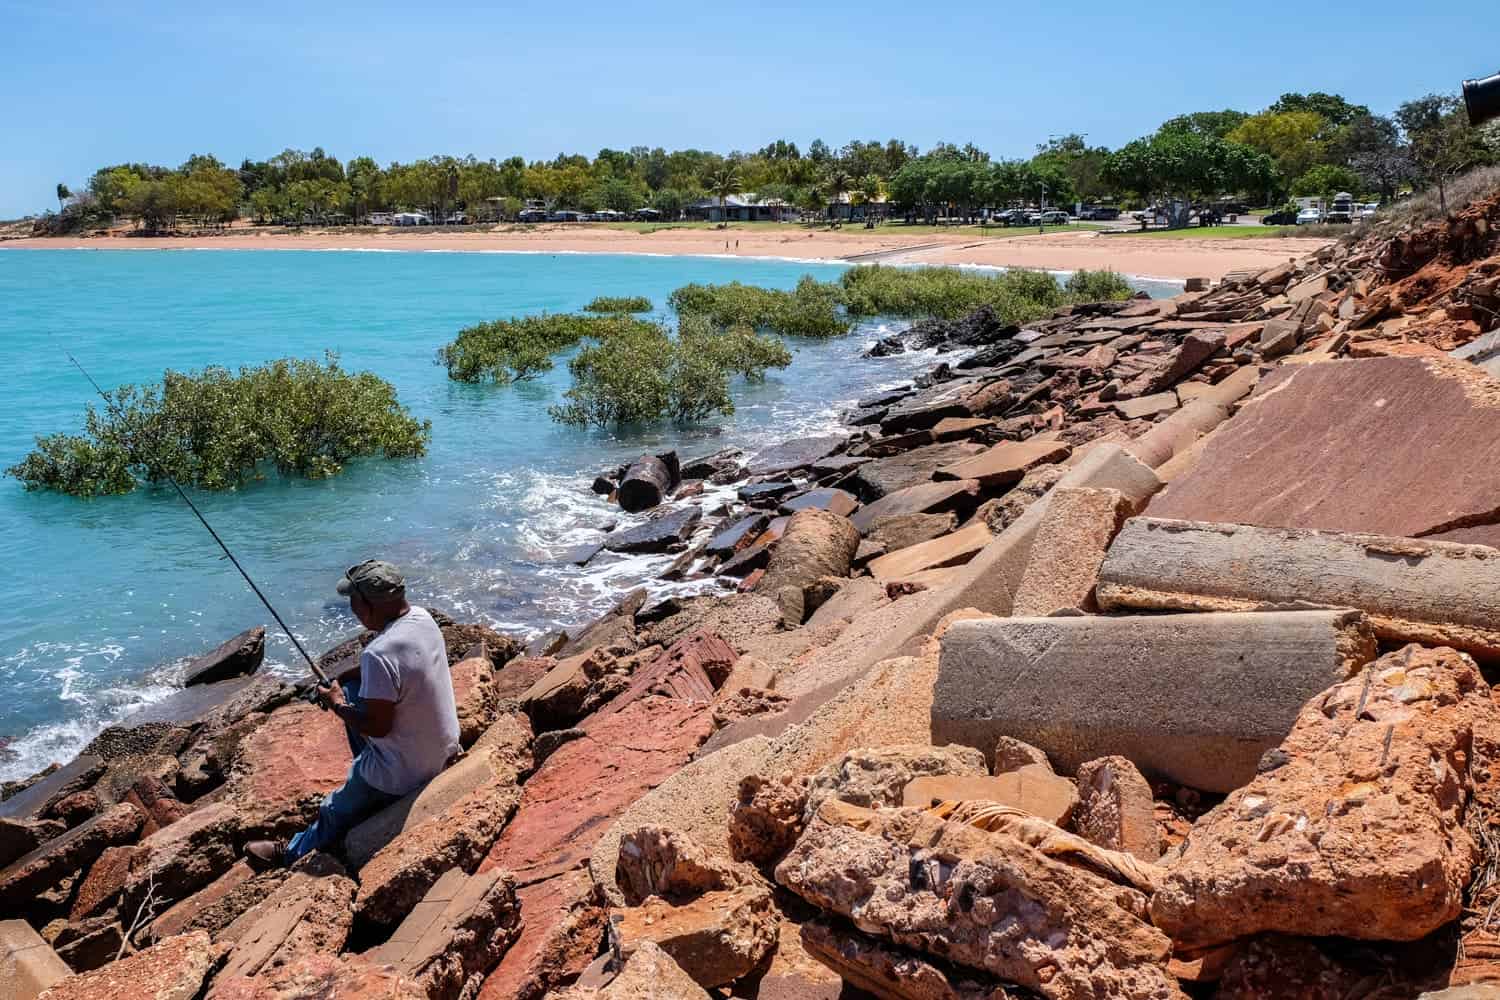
(1146, 257)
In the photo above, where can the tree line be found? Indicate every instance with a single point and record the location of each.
(1303, 144)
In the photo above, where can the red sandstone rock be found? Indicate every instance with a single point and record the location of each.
(1115, 808)
(172, 970)
(319, 975)
(579, 790)
(306, 914)
(474, 696)
(715, 938)
(692, 669)
(285, 768)
(49, 864)
(1353, 827)
(562, 926)
(766, 818)
(170, 865)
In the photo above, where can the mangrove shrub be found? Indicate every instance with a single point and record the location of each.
(521, 348)
(619, 304)
(215, 429)
(645, 375)
(1016, 296)
(810, 310)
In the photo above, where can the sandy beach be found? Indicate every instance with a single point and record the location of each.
(1151, 257)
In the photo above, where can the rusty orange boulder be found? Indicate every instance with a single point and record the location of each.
(1354, 825)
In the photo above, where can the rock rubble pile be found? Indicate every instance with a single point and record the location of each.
(1144, 652)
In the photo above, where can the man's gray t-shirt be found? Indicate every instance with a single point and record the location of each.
(407, 663)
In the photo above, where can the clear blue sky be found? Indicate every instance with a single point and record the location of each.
(82, 85)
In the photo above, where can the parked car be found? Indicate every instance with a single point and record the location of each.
(532, 215)
(1367, 211)
(1055, 217)
(1010, 217)
(1286, 218)
(458, 219)
(1100, 213)
(1310, 217)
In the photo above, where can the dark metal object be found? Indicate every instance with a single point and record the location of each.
(317, 671)
(1482, 98)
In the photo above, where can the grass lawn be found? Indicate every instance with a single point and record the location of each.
(848, 229)
(1227, 232)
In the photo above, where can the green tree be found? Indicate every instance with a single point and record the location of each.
(836, 182)
(1325, 180)
(1215, 124)
(63, 194)
(1188, 167)
(1296, 140)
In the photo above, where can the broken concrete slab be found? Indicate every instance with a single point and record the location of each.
(455, 934)
(305, 914)
(28, 965)
(1353, 826)
(1086, 687)
(1143, 407)
(1006, 463)
(953, 549)
(816, 544)
(1413, 590)
(1397, 446)
(929, 498)
(1070, 544)
(875, 777)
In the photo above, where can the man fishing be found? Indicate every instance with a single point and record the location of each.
(397, 706)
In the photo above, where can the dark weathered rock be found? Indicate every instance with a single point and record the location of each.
(795, 454)
(233, 658)
(22, 836)
(214, 705)
(884, 476)
(78, 774)
(658, 534)
(44, 867)
(834, 501)
(763, 494)
(170, 865)
(738, 535)
(960, 398)
(929, 498)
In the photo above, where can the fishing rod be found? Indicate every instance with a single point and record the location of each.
(115, 409)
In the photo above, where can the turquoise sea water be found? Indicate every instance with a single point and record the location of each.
(105, 597)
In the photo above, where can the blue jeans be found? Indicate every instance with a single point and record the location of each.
(345, 806)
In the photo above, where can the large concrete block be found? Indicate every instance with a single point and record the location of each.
(1413, 590)
(1193, 698)
(28, 965)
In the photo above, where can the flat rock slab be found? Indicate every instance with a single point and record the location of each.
(75, 776)
(1146, 406)
(656, 535)
(1193, 698)
(426, 803)
(834, 501)
(562, 927)
(716, 938)
(286, 767)
(1071, 542)
(1006, 463)
(948, 550)
(236, 657)
(691, 670)
(304, 914)
(578, 791)
(796, 454)
(28, 965)
(959, 398)
(1413, 590)
(213, 703)
(762, 494)
(884, 476)
(929, 498)
(455, 934)
(739, 535)
(1393, 446)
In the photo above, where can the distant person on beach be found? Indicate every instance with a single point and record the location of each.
(397, 706)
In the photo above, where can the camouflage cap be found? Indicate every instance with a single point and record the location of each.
(374, 579)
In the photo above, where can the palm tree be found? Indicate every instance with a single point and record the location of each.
(868, 191)
(63, 194)
(724, 181)
(837, 183)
